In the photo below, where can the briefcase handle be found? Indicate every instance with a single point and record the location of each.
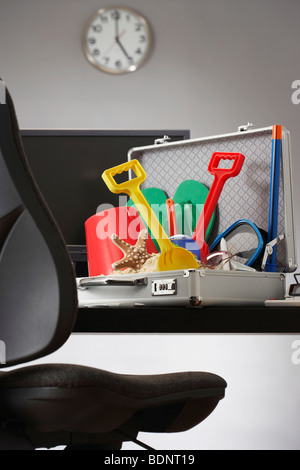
(98, 281)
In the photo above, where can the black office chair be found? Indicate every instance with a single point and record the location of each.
(51, 405)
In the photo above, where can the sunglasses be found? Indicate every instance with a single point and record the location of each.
(244, 239)
(216, 260)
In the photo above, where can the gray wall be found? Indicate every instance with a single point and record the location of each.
(216, 64)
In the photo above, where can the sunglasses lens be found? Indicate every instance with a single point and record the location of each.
(216, 258)
(244, 240)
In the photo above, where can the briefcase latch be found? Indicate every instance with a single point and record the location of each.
(245, 127)
(164, 287)
(162, 140)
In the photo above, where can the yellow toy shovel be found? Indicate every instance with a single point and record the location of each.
(172, 257)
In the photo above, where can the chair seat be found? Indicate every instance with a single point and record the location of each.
(68, 399)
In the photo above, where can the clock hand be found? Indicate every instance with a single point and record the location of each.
(121, 45)
(120, 35)
(110, 47)
(115, 41)
(116, 35)
(116, 27)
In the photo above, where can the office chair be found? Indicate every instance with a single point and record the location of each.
(50, 405)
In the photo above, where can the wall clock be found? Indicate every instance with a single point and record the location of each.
(117, 40)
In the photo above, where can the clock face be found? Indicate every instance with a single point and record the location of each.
(117, 40)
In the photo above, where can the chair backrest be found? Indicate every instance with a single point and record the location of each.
(38, 295)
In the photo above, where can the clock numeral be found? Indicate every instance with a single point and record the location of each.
(104, 19)
(96, 52)
(116, 15)
(142, 38)
(138, 26)
(138, 50)
(118, 64)
(97, 28)
(106, 60)
(91, 40)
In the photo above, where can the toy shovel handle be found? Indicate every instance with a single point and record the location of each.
(221, 176)
(132, 188)
(171, 217)
(129, 186)
(225, 173)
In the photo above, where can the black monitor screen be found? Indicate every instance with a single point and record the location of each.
(68, 165)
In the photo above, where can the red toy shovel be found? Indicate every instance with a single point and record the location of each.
(221, 176)
(171, 217)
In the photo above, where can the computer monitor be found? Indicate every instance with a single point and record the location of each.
(67, 165)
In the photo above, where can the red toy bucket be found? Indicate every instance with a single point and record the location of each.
(101, 251)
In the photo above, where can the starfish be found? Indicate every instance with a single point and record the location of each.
(134, 255)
